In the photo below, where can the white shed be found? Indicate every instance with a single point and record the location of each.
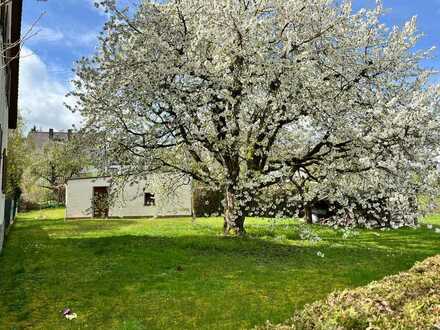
(136, 200)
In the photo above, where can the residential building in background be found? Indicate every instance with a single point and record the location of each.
(38, 139)
(10, 23)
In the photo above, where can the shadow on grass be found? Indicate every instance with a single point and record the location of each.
(185, 282)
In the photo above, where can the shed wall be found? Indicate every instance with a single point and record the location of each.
(130, 202)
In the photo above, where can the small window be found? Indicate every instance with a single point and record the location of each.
(149, 199)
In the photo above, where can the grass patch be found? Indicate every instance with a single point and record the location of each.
(433, 219)
(408, 300)
(175, 274)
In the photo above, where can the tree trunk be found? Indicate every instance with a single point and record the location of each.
(308, 214)
(62, 195)
(234, 217)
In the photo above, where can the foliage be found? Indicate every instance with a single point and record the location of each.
(176, 274)
(207, 202)
(409, 300)
(18, 160)
(32, 193)
(245, 96)
(56, 163)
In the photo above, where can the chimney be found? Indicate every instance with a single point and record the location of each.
(50, 134)
(69, 134)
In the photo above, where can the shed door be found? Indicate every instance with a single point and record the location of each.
(100, 202)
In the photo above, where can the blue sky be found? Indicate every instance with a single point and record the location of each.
(65, 31)
(68, 29)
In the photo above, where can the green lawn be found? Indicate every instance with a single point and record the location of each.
(173, 274)
(433, 219)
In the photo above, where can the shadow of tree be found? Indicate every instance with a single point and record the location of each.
(190, 281)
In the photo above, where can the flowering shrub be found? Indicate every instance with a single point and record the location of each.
(393, 211)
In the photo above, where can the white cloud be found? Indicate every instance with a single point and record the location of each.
(42, 34)
(70, 37)
(89, 38)
(82, 39)
(42, 97)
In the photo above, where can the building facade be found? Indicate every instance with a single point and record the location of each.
(93, 198)
(10, 24)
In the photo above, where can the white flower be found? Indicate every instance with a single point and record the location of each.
(231, 96)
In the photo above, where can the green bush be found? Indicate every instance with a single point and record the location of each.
(207, 202)
(409, 300)
(26, 205)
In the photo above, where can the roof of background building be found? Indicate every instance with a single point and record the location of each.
(39, 138)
